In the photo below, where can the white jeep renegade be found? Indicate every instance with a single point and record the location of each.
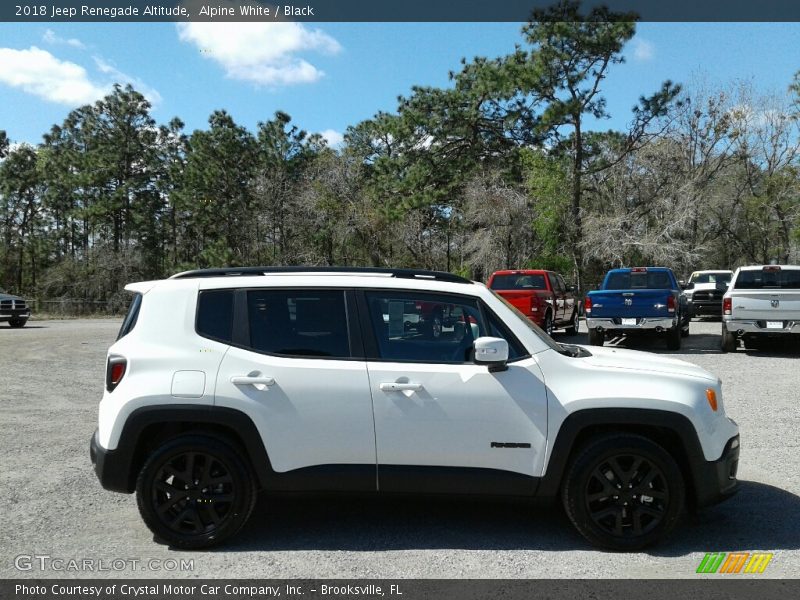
(226, 382)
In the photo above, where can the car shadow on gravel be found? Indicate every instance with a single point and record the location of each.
(759, 517)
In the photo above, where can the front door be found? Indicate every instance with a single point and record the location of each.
(443, 423)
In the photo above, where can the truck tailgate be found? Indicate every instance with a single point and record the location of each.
(630, 303)
(766, 305)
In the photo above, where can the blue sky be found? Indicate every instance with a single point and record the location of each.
(329, 76)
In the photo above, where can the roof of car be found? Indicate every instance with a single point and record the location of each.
(761, 267)
(370, 271)
(521, 272)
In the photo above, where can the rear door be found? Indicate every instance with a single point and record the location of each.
(297, 369)
(443, 423)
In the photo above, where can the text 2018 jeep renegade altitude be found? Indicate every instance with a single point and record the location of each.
(226, 382)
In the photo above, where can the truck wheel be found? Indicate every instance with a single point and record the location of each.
(685, 330)
(623, 492)
(547, 325)
(195, 491)
(674, 338)
(574, 323)
(596, 338)
(728, 342)
(17, 323)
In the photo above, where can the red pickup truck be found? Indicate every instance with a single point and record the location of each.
(542, 296)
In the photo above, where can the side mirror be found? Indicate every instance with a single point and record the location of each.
(491, 351)
(573, 289)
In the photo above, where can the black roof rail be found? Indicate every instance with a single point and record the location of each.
(245, 271)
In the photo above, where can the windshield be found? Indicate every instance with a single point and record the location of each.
(518, 282)
(532, 326)
(711, 278)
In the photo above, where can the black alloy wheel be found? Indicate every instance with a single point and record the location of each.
(195, 491)
(623, 491)
(548, 323)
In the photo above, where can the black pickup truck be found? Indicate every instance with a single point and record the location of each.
(14, 310)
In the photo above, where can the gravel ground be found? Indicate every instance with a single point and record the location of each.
(51, 376)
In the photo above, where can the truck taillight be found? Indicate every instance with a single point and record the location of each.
(727, 306)
(587, 305)
(115, 371)
(671, 304)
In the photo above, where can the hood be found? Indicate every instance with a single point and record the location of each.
(647, 362)
(9, 297)
(708, 286)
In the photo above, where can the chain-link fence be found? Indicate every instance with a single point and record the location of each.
(76, 307)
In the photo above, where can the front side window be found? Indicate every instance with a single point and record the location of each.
(302, 323)
(411, 327)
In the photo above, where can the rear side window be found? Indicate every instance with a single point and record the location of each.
(518, 282)
(215, 315)
(772, 279)
(131, 316)
(649, 280)
(307, 323)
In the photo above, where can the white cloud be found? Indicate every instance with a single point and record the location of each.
(118, 76)
(50, 37)
(38, 72)
(333, 137)
(643, 50)
(263, 53)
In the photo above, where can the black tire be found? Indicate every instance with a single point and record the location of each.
(674, 338)
(547, 324)
(596, 338)
(619, 483)
(754, 343)
(728, 343)
(174, 505)
(685, 330)
(574, 323)
(17, 323)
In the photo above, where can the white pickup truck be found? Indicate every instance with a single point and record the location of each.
(762, 302)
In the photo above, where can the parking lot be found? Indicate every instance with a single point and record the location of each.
(51, 379)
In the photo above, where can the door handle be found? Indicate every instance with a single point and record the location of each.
(256, 381)
(400, 387)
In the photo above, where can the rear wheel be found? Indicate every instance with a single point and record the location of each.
(547, 325)
(728, 342)
(574, 323)
(596, 338)
(17, 323)
(195, 491)
(623, 492)
(674, 338)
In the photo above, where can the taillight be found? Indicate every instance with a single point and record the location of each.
(587, 305)
(727, 306)
(671, 304)
(535, 301)
(115, 371)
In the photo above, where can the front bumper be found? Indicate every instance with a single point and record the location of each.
(112, 467)
(715, 480)
(24, 313)
(705, 307)
(642, 323)
(744, 327)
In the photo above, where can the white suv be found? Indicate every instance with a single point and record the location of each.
(226, 382)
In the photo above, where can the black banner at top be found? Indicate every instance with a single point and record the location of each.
(380, 10)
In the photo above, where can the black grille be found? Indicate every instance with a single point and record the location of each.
(707, 296)
(12, 305)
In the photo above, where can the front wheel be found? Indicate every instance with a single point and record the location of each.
(547, 325)
(623, 492)
(596, 338)
(195, 491)
(17, 323)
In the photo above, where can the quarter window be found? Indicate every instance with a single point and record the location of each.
(215, 314)
(309, 323)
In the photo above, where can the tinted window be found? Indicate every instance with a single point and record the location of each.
(650, 280)
(129, 322)
(755, 280)
(215, 314)
(496, 328)
(309, 323)
(518, 282)
(425, 327)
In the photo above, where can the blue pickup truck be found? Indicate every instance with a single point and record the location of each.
(638, 300)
